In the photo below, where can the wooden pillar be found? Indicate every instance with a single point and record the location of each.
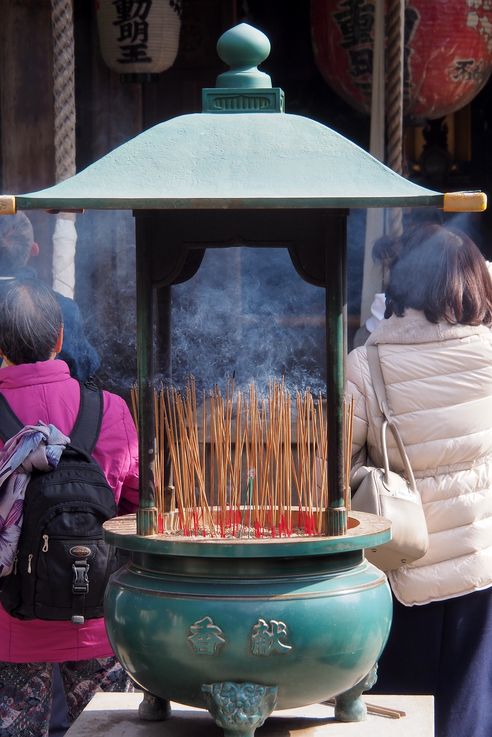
(26, 109)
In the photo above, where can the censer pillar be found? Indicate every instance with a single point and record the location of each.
(147, 523)
(336, 343)
(162, 259)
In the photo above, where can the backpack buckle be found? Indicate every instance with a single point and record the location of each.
(80, 582)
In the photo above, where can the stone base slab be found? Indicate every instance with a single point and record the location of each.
(115, 715)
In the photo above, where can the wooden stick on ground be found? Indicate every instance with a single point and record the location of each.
(385, 711)
(380, 711)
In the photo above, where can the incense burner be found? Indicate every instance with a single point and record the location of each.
(245, 626)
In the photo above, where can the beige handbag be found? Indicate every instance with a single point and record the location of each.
(388, 494)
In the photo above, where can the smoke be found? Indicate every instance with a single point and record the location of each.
(469, 223)
(106, 293)
(247, 314)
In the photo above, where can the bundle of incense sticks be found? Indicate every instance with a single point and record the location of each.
(245, 465)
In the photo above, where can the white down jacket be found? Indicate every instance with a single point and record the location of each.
(439, 387)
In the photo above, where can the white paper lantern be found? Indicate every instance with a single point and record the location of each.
(140, 37)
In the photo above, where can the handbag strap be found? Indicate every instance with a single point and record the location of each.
(380, 390)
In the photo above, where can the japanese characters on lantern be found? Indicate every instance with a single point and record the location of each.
(447, 56)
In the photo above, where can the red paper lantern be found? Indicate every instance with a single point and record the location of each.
(448, 52)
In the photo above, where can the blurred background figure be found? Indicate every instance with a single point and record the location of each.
(17, 247)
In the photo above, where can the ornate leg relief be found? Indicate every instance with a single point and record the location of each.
(239, 708)
(349, 706)
(153, 708)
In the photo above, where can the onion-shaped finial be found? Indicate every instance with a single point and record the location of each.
(243, 48)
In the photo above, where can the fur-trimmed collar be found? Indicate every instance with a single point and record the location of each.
(414, 327)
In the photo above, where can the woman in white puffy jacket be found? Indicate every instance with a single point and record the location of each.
(435, 349)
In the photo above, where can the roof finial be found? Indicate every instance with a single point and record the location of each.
(243, 48)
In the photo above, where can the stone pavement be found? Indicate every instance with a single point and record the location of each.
(115, 715)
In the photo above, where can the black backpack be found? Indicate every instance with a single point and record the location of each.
(62, 564)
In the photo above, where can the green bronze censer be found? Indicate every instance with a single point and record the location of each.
(242, 626)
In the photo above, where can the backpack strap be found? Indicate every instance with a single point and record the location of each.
(87, 426)
(10, 424)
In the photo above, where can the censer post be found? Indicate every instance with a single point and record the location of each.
(147, 523)
(336, 344)
(164, 364)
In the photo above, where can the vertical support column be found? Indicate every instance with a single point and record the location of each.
(147, 511)
(163, 315)
(336, 348)
(163, 358)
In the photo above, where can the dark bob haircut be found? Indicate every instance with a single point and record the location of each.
(30, 321)
(441, 272)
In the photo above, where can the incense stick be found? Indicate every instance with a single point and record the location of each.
(244, 465)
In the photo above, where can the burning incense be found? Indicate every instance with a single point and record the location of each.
(244, 465)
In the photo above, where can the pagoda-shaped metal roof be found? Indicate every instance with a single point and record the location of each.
(243, 151)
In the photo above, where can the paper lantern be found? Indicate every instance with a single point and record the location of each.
(448, 52)
(139, 38)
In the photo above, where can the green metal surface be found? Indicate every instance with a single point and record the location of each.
(336, 307)
(236, 100)
(234, 161)
(311, 630)
(243, 48)
(243, 89)
(147, 512)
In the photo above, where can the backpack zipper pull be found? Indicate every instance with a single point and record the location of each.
(44, 549)
(29, 559)
(15, 563)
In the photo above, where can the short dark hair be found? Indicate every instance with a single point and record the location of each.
(441, 272)
(16, 240)
(30, 321)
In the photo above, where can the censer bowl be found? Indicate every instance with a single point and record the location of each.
(290, 621)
